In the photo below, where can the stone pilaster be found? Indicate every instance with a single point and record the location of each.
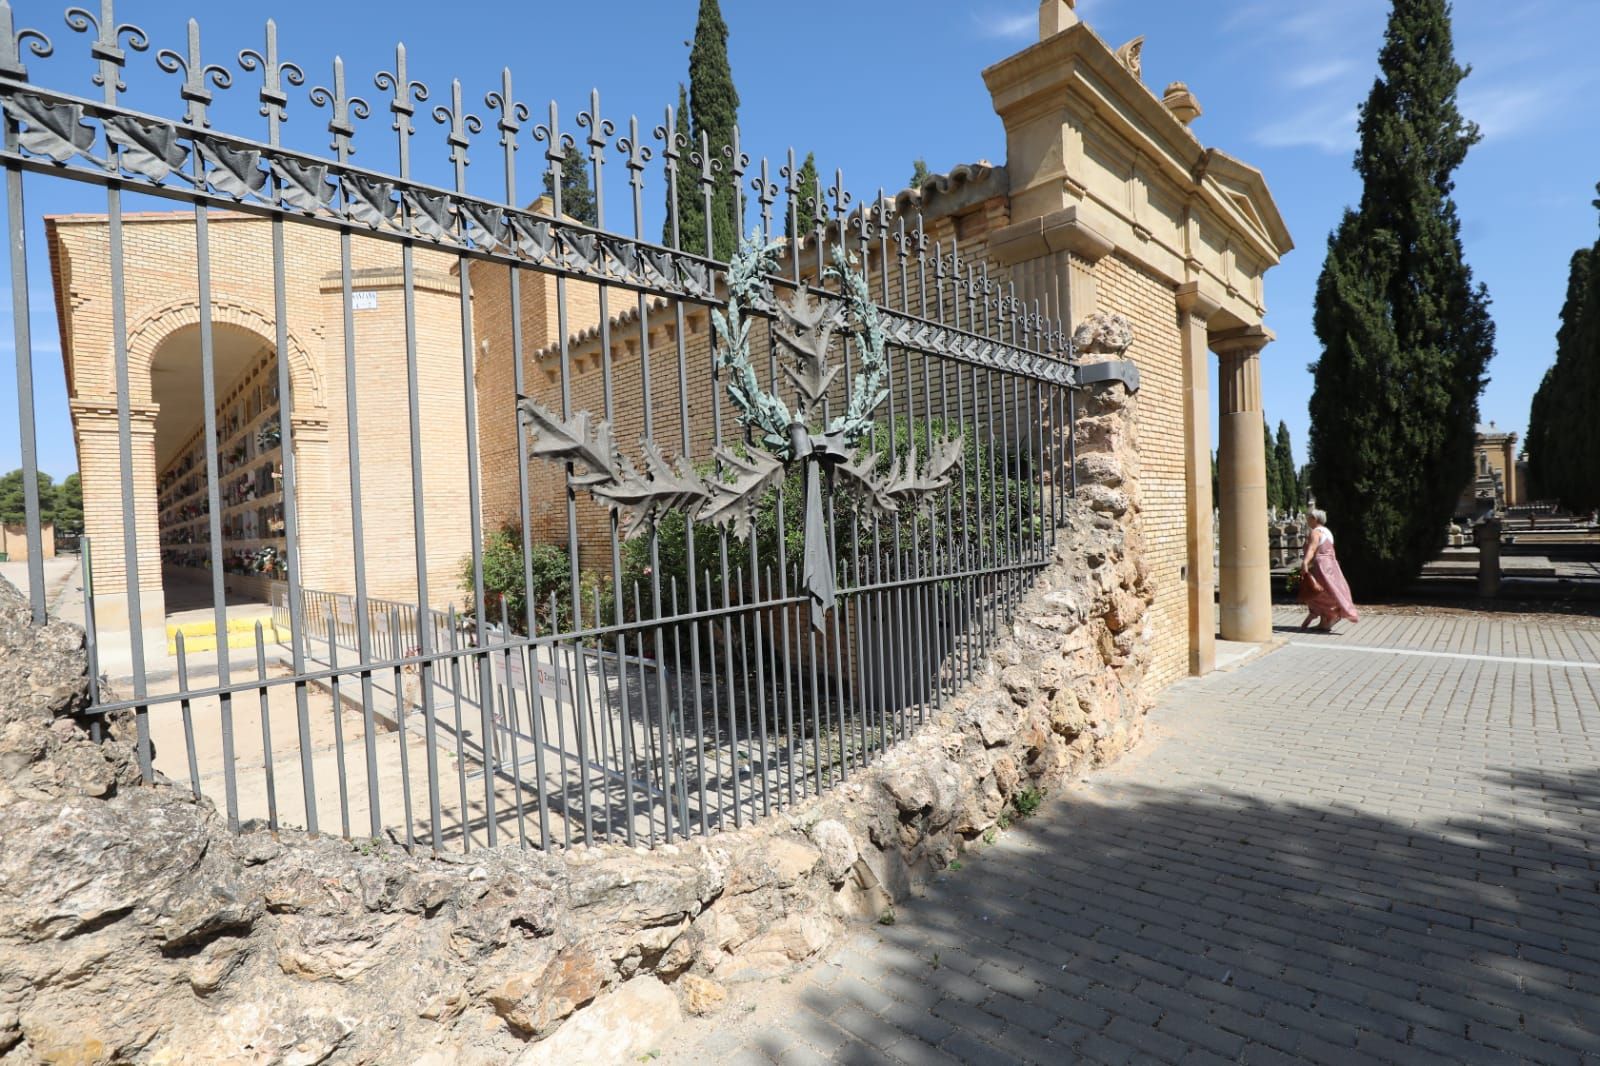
(1194, 309)
(100, 467)
(1245, 571)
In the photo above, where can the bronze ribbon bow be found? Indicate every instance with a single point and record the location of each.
(818, 451)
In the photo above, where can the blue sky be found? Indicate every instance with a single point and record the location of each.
(871, 87)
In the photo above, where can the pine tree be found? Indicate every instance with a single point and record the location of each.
(714, 110)
(1406, 334)
(919, 172)
(577, 198)
(1563, 441)
(805, 196)
(691, 209)
(1274, 476)
(1289, 486)
(69, 505)
(13, 500)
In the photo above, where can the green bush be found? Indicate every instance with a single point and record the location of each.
(505, 581)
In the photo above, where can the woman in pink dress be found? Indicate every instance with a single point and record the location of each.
(1322, 585)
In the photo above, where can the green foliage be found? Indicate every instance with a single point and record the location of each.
(919, 172)
(1274, 475)
(577, 198)
(714, 111)
(1027, 802)
(691, 209)
(13, 501)
(505, 581)
(1405, 331)
(1289, 485)
(69, 505)
(887, 917)
(1563, 432)
(805, 196)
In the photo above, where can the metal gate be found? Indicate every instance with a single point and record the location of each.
(762, 635)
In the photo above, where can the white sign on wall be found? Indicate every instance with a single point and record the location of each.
(364, 300)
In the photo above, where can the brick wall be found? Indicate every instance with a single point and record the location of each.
(1128, 289)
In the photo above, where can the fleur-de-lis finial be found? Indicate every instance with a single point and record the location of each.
(840, 195)
(274, 101)
(342, 106)
(512, 115)
(766, 191)
(638, 154)
(738, 163)
(403, 92)
(107, 46)
(559, 145)
(600, 131)
(195, 73)
(461, 124)
(11, 45)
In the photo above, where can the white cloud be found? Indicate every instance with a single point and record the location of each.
(1328, 127)
(1312, 75)
(1502, 112)
(1011, 25)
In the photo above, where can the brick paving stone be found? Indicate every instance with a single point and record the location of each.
(1330, 854)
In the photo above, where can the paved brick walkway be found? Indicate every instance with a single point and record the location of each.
(1382, 846)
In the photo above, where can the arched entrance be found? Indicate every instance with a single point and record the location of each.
(248, 464)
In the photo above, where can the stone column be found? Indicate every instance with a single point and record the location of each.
(1201, 579)
(1486, 535)
(1246, 575)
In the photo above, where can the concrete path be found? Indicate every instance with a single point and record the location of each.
(1380, 846)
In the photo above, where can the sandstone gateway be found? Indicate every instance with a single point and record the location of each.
(304, 400)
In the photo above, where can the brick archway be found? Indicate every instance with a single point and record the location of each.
(146, 338)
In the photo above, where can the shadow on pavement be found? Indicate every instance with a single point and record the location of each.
(1203, 927)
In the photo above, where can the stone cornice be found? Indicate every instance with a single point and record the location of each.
(1191, 301)
(1060, 231)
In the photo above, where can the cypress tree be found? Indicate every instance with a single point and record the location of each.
(1289, 486)
(714, 110)
(805, 194)
(1406, 334)
(691, 208)
(1274, 475)
(919, 172)
(1563, 436)
(577, 198)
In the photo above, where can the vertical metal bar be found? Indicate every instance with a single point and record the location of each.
(34, 530)
(671, 152)
(418, 514)
(208, 393)
(530, 659)
(460, 728)
(130, 531)
(188, 719)
(338, 732)
(404, 736)
(266, 732)
(91, 636)
(508, 704)
(420, 533)
(555, 155)
(357, 532)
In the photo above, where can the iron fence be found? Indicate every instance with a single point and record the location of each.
(774, 596)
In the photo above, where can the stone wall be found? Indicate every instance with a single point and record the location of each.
(134, 927)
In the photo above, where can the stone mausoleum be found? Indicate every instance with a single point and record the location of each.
(1107, 201)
